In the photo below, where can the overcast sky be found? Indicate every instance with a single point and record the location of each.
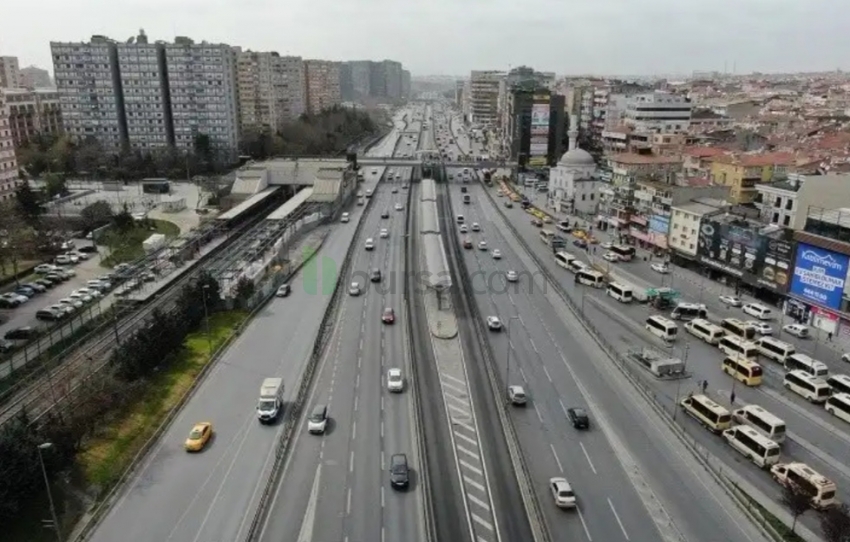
(454, 36)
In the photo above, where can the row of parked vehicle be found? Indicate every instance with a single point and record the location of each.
(76, 300)
(51, 275)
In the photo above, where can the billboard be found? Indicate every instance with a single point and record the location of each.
(539, 147)
(819, 275)
(740, 250)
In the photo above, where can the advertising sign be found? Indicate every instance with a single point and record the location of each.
(741, 251)
(539, 147)
(659, 224)
(819, 275)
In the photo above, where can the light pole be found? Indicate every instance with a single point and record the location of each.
(206, 288)
(679, 381)
(40, 447)
(510, 347)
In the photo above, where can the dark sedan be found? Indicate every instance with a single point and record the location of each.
(579, 418)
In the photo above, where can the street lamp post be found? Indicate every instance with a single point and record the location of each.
(679, 381)
(40, 447)
(510, 347)
(207, 318)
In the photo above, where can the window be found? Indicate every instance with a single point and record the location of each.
(786, 221)
(789, 205)
(775, 218)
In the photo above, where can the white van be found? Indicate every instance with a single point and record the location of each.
(345, 217)
(813, 389)
(662, 327)
(803, 362)
(775, 349)
(620, 292)
(758, 310)
(705, 330)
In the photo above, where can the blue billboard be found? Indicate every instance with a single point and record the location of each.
(659, 224)
(819, 275)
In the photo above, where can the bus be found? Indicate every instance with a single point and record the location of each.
(705, 330)
(575, 265)
(762, 421)
(546, 236)
(156, 186)
(802, 362)
(759, 449)
(689, 311)
(620, 292)
(839, 406)
(662, 327)
(801, 475)
(590, 277)
(775, 349)
(811, 388)
(624, 253)
(839, 383)
(707, 412)
(563, 259)
(733, 346)
(744, 370)
(739, 328)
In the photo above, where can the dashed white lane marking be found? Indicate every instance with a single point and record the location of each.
(620, 523)
(587, 456)
(557, 459)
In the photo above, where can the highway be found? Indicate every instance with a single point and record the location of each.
(815, 437)
(634, 481)
(336, 486)
(175, 496)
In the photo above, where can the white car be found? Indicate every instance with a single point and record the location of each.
(464, 229)
(368, 192)
(482, 245)
(730, 300)
(497, 254)
(354, 289)
(345, 218)
(91, 292)
(660, 267)
(512, 276)
(611, 257)
(494, 323)
(476, 227)
(606, 245)
(761, 327)
(562, 492)
(399, 207)
(370, 243)
(80, 297)
(45, 268)
(395, 382)
(384, 233)
(63, 309)
(71, 302)
(798, 330)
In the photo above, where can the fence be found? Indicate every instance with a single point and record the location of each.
(636, 376)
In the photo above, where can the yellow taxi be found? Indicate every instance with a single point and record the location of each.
(199, 436)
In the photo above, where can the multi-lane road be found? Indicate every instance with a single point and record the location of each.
(633, 480)
(175, 496)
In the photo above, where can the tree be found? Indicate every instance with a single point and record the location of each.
(123, 221)
(18, 239)
(29, 205)
(835, 524)
(20, 476)
(97, 214)
(202, 146)
(245, 289)
(798, 500)
(55, 185)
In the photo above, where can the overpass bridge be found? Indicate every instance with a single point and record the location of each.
(416, 162)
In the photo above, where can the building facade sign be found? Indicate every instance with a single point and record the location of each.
(819, 275)
(539, 147)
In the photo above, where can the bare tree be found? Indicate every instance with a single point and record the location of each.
(798, 500)
(835, 524)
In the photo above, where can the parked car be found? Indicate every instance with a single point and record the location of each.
(49, 314)
(25, 291)
(20, 333)
(35, 286)
(730, 300)
(44, 268)
(6, 346)
(798, 330)
(14, 299)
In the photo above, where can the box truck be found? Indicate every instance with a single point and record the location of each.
(271, 400)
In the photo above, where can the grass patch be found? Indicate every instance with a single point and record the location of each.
(784, 531)
(8, 270)
(127, 246)
(107, 455)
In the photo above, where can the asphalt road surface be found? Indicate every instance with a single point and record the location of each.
(631, 478)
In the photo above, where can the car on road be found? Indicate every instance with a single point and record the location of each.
(758, 310)
(375, 275)
(395, 382)
(580, 243)
(384, 233)
(660, 267)
(579, 418)
(385, 213)
(730, 300)
(388, 316)
(370, 243)
(516, 395)
(537, 222)
(607, 245)
(399, 207)
(80, 297)
(284, 290)
(798, 330)
(399, 471)
(511, 276)
(476, 227)
(467, 243)
(404, 186)
(497, 254)
(369, 193)
(610, 257)
(354, 289)
(345, 217)
(394, 190)
(564, 226)
(464, 229)
(318, 420)
(65, 310)
(761, 328)
(482, 245)
(562, 492)
(199, 436)
(493, 323)
(46, 283)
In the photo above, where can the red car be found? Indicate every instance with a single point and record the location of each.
(467, 243)
(389, 316)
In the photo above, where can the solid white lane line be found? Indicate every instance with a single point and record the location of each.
(473, 483)
(618, 519)
(481, 521)
(548, 376)
(470, 453)
(584, 525)
(473, 468)
(587, 456)
(351, 461)
(359, 362)
(557, 459)
(478, 501)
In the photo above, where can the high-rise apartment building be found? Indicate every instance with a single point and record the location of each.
(147, 103)
(484, 96)
(35, 77)
(293, 86)
(8, 164)
(270, 89)
(658, 112)
(202, 88)
(10, 74)
(361, 78)
(405, 84)
(90, 93)
(32, 111)
(323, 89)
(392, 72)
(346, 82)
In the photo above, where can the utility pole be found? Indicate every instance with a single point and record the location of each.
(40, 447)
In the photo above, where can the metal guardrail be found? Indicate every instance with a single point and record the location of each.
(539, 527)
(422, 449)
(295, 410)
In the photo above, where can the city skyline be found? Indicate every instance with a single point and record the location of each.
(780, 36)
